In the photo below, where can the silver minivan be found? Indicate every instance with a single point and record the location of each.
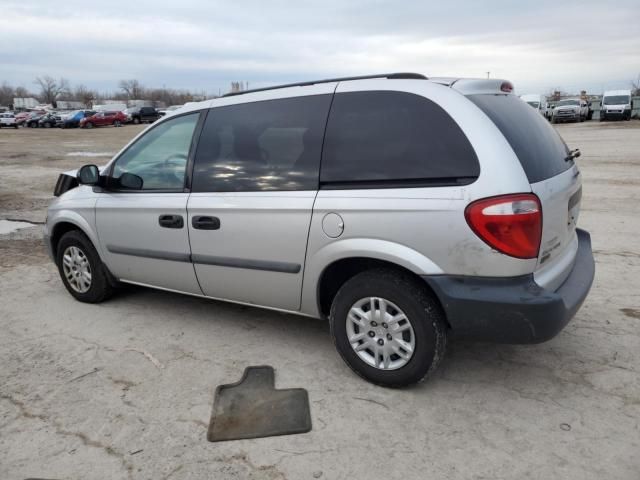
(404, 210)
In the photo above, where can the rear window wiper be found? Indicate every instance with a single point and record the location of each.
(573, 154)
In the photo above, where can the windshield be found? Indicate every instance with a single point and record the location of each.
(534, 104)
(563, 103)
(616, 100)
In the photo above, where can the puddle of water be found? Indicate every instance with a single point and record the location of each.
(8, 226)
(90, 154)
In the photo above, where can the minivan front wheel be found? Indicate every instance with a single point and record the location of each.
(81, 270)
(388, 328)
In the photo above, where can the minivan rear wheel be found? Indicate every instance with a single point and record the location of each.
(82, 272)
(388, 328)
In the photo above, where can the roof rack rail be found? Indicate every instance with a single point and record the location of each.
(391, 76)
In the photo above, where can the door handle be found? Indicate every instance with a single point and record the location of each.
(205, 223)
(171, 221)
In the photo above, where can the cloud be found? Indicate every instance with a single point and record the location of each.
(207, 44)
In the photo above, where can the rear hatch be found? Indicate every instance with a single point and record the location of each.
(553, 178)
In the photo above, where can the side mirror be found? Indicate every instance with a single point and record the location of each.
(131, 181)
(88, 175)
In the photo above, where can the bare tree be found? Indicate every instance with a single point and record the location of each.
(131, 88)
(84, 95)
(635, 87)
(22, 92)
(50, 90)
(7, 93)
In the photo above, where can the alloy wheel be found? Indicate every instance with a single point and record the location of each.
(380, 333)
(76, 268)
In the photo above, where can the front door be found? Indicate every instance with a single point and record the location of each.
(143, 227)
(254, 183)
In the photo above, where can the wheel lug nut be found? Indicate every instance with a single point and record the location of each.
(389, 337)
(374, 324)
(384, 325)
(380, 341)
(372, 333)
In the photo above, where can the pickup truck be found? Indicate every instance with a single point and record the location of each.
(142, 114)
(570, 110)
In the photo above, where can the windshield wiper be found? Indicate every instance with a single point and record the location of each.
(573, 154)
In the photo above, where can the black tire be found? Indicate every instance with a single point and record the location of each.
(420, 307)
(89, 125)
(136, 120)
(117, 123)
(553, 120)
(101, 287)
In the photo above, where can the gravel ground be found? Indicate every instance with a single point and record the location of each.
(124, 389)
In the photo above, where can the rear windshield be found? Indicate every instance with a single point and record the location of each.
(538, 146)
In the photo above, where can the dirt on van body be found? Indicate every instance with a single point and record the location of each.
(123, 390)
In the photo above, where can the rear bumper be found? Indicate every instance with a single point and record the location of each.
(514, 309)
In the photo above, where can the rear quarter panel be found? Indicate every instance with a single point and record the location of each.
(421, 229)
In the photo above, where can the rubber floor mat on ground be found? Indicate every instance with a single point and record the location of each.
(253, 408)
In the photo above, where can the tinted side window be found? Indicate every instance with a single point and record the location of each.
(267, 145)
(538, 146)
(383, 138)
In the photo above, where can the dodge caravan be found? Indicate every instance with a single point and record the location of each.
(404, 210)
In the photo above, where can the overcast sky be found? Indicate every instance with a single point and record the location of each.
(205, 44)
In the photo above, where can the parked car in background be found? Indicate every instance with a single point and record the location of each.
(49, 120)
(73, 119)
(22, 117)
(142, 114)
(570, 110)
(539, 102)
(170, 109)
(8, 119)
(326, 200)
(102, 119)
(616, 105)
(33, 119)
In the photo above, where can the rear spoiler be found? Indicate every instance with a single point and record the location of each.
(471, 86)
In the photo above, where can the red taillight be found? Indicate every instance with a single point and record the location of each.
(512, 224)
(506, 87)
